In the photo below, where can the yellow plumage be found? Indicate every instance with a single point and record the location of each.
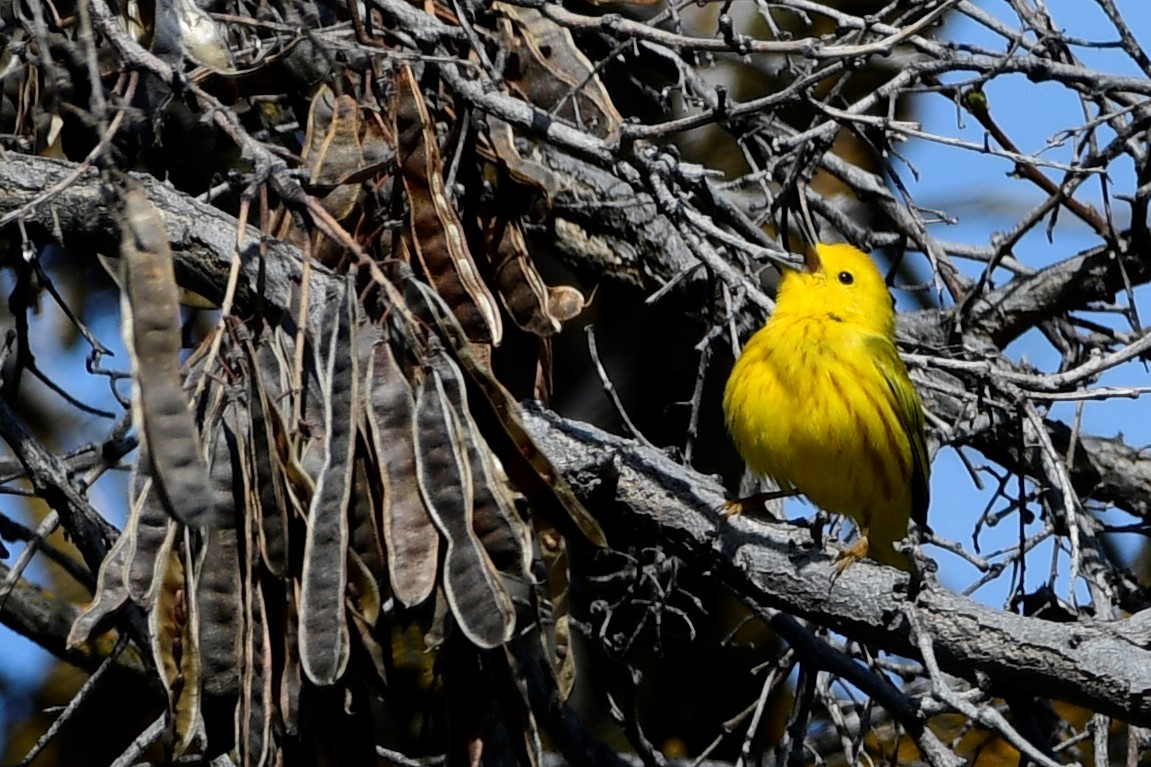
(821, 402)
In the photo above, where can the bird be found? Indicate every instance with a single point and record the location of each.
(821, 402)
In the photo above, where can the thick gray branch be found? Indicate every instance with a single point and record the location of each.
(1103, 666)
(37, 614)
(203, 238)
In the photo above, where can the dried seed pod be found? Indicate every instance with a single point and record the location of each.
(411, 540)
(480, 604)
(151, 325)
(324, 638)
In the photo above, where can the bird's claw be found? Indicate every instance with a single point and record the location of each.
(849, 556)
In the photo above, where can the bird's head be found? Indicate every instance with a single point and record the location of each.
(842, 283)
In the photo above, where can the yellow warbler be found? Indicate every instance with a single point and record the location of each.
(821, 402)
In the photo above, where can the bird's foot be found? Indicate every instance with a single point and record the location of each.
(753, 504)
(851, 555)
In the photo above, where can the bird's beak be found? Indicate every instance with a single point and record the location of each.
(811, 260)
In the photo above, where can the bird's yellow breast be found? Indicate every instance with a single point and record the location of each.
(807, 407)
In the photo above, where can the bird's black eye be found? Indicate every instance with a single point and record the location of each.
(846, 278)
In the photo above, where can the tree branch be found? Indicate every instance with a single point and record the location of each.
(38, 615)
(1103, 666)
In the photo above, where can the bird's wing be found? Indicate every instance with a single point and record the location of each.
(909, 411)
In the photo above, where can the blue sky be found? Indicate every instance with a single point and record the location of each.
(22, 663)
(973, 188)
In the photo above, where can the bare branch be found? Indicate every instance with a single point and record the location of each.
(1101, 665)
